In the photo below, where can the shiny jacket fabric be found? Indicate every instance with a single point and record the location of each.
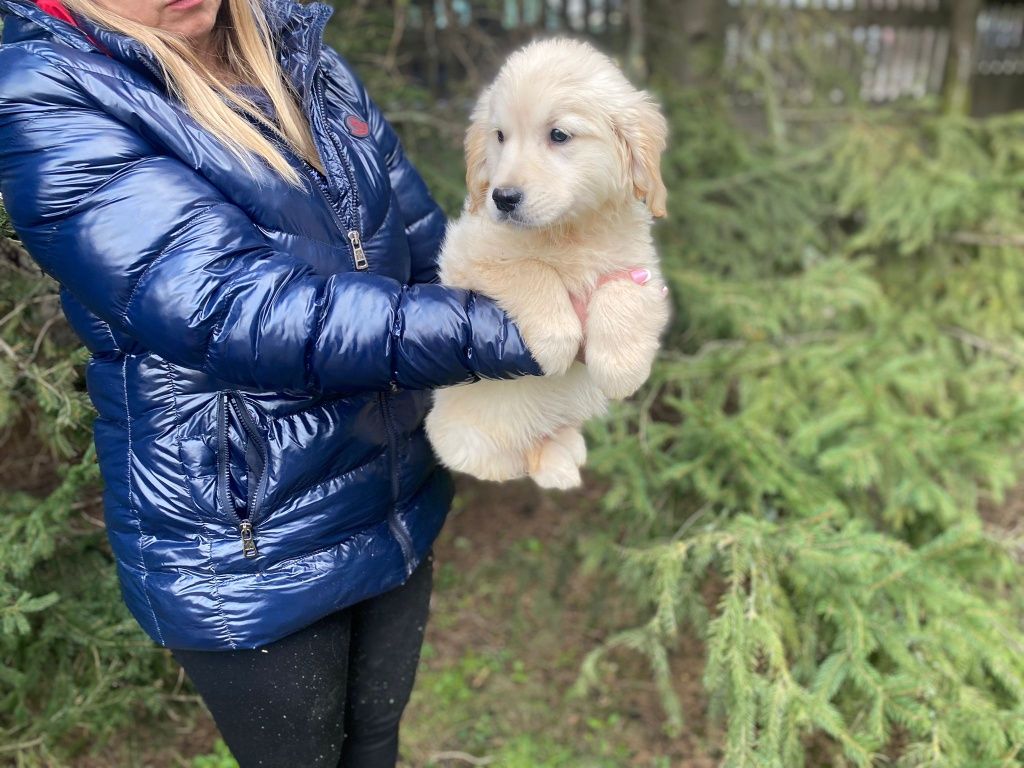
(261, 354)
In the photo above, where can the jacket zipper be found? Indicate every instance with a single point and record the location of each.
(233, 400)
(352, 230)
(398, 529)
(318, 183)
(355, 224)
(359, 256)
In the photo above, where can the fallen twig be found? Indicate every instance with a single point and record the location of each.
(993, 240)
(984, 345)
(463, 757)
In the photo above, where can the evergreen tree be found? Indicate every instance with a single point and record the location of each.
(841, 394)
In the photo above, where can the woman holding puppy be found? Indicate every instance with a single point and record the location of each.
(251, 260)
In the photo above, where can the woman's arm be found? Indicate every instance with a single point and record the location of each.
(423, 218)
(152, 248)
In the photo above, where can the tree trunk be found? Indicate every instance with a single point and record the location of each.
(963, 28)
(684, 38)
(636, 62)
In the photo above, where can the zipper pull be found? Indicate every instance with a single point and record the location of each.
(357, 249)
(248, 540)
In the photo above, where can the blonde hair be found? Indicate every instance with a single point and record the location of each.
(242, 37)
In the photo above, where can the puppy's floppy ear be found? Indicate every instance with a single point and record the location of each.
(477, 136)
(643, 131)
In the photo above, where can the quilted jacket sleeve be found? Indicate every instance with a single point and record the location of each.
(423, 217)
(157, 252)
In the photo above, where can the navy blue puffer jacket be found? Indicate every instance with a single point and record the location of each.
(261, 355)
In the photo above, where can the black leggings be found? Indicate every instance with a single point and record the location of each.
(329, 695)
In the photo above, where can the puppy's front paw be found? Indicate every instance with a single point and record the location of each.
(554, 352)
(624, 326)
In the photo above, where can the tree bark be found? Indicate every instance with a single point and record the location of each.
(636, 62)
(960, 67)
(684, 38)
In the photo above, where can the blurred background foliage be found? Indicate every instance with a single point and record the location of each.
(806, 527)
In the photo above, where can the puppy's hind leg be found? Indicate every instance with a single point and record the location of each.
(553, 465)
(572, 440)
(466, 448)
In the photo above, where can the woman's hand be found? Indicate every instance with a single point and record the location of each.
(638, 275)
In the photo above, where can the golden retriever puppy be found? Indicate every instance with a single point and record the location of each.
(563, 158)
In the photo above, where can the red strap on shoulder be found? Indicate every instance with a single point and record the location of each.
(56, 9)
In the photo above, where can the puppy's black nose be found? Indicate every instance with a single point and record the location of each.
(507, 198)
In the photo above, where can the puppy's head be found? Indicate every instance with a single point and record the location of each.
(560, 133)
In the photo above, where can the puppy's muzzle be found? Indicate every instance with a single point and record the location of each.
(506, 199)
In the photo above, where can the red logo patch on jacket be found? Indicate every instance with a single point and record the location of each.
(357, 126)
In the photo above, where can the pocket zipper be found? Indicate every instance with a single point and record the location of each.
(398, 529)
(247, 521)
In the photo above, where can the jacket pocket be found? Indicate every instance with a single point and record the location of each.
(240, 444)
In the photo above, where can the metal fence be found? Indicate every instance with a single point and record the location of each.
(999, 60)
(896, 49)
(900, 48)
(591, 16)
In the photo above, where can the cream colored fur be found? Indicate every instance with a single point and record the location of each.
(586, 212)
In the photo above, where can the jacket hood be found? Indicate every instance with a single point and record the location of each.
(297, 28)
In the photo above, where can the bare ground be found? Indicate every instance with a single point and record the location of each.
(512, 618)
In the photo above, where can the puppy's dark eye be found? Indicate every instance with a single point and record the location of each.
(501, 137)
(559, 136)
